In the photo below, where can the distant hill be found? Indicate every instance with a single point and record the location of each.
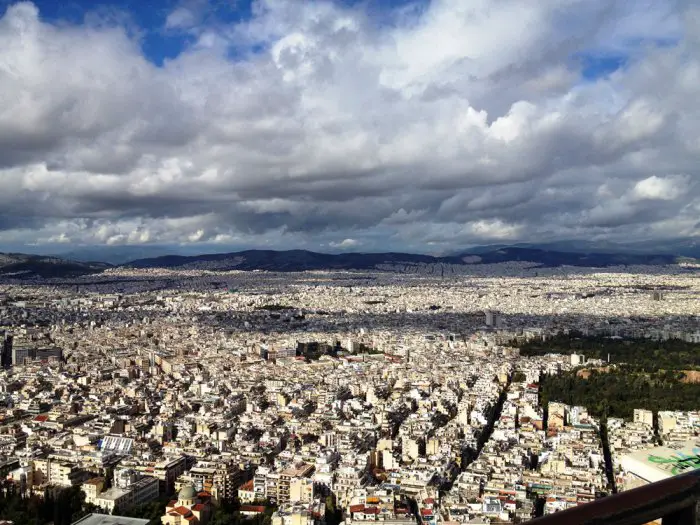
(114, 254)
(682, 247)
(122, 254)
(27, 266)
(285, 261)
(552, 258)
(24, 266)
(302, 260)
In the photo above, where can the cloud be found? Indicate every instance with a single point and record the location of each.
(182, 18)
(660, 188)
(312, 123)
(194, 16)
(346, 244)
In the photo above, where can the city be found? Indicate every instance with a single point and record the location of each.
(349, 262)
(320, 397)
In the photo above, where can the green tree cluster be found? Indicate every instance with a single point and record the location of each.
(63, 509)
(620, 390)
(519, 377)
(648, 354)
(151, 510)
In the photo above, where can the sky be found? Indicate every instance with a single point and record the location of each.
(363, 125)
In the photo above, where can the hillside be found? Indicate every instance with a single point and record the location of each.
(24, 266)
(19, 265)
(302, 260)
(284, 261)
(553, 258)
(682, 247)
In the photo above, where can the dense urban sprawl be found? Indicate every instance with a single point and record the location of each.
(316, 397)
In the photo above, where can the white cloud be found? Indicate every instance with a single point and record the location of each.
(660, 188)
(346, 244)
(495, 229)
(182, 18)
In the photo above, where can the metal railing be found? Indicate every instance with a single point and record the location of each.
(675, 501)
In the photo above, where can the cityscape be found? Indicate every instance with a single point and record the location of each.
(321, 397)
(349, 262)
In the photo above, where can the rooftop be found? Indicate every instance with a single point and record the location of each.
(106, 519)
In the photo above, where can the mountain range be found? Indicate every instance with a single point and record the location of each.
(563, 253)
(117, 255)
(302, 260)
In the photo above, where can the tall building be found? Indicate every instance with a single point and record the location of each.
(493, 319)
(6, 347)
(221, 479)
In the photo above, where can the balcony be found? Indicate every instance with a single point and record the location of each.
(675, 501)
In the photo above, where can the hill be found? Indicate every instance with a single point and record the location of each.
(284, 261)
(28, 266)
(553, 258)
(302, 260)
(24, 266)
(682, 247)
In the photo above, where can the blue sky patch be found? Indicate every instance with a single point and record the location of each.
(594, 66)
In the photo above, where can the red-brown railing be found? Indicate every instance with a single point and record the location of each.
(675, 501)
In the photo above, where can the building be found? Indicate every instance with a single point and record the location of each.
(295, 474)
(92, 488)
(347, 480)
(379, 505)
(116, 445)
(578, 359)
(292, 484)
(311, 514)
(166, 472)
(221, 479)
(190, 508)
(19, 354)
(54, 472)
(163, 431)
(23, 354)
(106, 519)
(411, 448)
(645, 417)
(6, 342)
(246, 493)
(493, 319)
(656, 464)
(301, 490)
(128, 490)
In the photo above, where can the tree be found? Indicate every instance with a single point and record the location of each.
(334, 515)
(519, 376)
(343, 394)
(309, 407)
